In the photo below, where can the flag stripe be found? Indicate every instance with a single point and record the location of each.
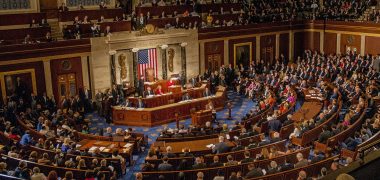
(147, 58)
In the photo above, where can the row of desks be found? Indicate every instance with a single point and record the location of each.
(160, 100)
(166, 113)
(311, 107)
(198, 146)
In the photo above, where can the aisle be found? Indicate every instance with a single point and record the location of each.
(240, 106)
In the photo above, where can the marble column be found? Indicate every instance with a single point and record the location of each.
(113, 67)
(183, 61)
(164, 62)
(48, 80)
(134, 55)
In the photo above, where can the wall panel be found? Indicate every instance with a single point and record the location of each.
(233, 42)
(305, 40)
(372, 45)
(330, 43)
(284, 45)
(349, 41)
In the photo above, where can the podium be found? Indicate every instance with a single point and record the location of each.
(175, 89)
(201, 117)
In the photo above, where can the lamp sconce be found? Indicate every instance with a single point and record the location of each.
(112, 52)
(164, 46)
(183, 44)
(135, 49)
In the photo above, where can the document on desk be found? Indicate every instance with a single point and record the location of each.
(128, 145)
(210, 146)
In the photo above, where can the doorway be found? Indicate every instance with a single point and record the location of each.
(214, 62)
(67, 86)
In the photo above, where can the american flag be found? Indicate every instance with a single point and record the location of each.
(147, 58)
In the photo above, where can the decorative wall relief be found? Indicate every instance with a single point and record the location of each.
(171, 54)
(122, 64)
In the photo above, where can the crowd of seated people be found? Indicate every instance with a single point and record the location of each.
(351, 74)
(343, 9)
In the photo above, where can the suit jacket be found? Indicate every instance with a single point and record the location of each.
(147, 93)
(207, 93)
(216, 164)
(301, 163)
(185, 97)
(254, 173)
(140, 105)
(220, 148)
(199, 166)
(324, 136)
(165, 167)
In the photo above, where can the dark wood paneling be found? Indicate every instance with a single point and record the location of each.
(243, 40)
(267, 43)
(92, 14)
(38, 69)
(57, 69)
(372, 45)
(23, 51)
(12, 35)
(305, 40)
(349, 40)
(330, 43)
(215, 47)
(18, 19)
(284, 45)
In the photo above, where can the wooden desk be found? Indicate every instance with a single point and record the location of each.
(201, 117)
(196, 146)
(307, 111)
(126, 152)
(162, 83)
(169, 98)
(92, 14)
(164, 114)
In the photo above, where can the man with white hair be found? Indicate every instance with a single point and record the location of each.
(221, 147)
(168, 152)
(288, 120)
(301, 161)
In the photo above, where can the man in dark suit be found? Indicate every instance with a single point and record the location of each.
(148, 92)
(63, 8)
(253, 172)
(141, 21)
(274, 124)
(165, 166)
(221, 147)
(186, 97)
(216, 162)
(140, 104)
(199, 164)
(127, 103)
(247, 158)
(207, 92)
(140, 86)
(326, 134)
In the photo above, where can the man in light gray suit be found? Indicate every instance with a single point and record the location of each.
(221, 147)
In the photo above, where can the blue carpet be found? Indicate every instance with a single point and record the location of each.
(240, 106)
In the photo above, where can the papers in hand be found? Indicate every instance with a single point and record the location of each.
(228, 137)
(210, 146)
(93, 148)
(128, 145)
